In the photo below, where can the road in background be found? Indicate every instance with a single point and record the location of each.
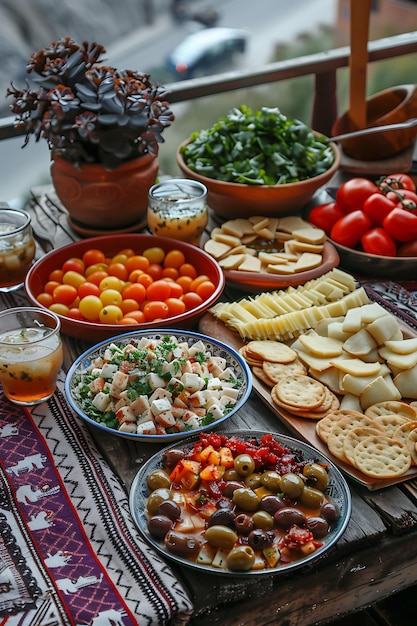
(269, 21)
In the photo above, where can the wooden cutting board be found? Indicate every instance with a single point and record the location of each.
(304, 429)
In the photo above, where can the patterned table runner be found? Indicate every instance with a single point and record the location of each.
(69, 550)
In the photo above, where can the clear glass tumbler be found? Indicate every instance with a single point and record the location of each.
(30, 354)
(17, 248)
(177, 208)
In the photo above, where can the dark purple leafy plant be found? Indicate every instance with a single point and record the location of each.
(89, 113)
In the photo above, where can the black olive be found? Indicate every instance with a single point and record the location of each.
(243, 524)
(181, 544)
(171, 457)
(259, 539)
(271, 504)
(285, 518)
(159, 525)
(330, 512)
(225, 517)
(230, 488)
(318, 526)
(170, 509)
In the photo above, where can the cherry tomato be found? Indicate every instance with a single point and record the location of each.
(73, 278)
(119, 270)
(90, 307)
(196, 281)
(187, 269)
(352, 194)
(65, 294)
(155, 271)
(404, 198)
(401, 224)
(349, 229)
(110, 314)
(175, 306)
(111, 282)
(378, 241)
(176, 290)
(396, 181)
(154, 255)
(75, 314)
(185, 282)
(75, 265)
(135, 291)
(174, 258)
(88, 288)
(158, 290)
(155, 310)
(170, 272)
(137, 262)
(409, 248)
(144, 279)
(56, 275)
(59, 308)
(128, 320)
(97, 276)
(45, 299)
(192, 300)
(128, 304)
(110, 297)
(51, 285)
(325, 216)
(137, 315)
(205, 289)
(377, 207)
(93, 256)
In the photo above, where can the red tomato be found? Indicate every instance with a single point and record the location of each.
(401, 224)
(396, 181)
(349, 229)
(377, 207)
(378, 241)
(325, 216)
(404, 198)
(409, 248)
(352, 194)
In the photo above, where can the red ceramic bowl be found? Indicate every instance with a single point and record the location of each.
(110, 245)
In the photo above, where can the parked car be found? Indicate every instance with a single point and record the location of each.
(206, 51)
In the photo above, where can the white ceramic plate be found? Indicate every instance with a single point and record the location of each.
(337, 489)
(233, 360)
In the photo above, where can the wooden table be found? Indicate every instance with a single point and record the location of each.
(376, 556)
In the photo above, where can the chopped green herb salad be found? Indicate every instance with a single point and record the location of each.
(156, 387)
(258, 148)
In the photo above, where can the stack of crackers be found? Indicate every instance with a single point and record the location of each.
(279, 367)
(381, 442)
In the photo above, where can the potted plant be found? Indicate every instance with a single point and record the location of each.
(100, 123)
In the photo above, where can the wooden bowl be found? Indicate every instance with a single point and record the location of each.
(232, 200)
(396, 104)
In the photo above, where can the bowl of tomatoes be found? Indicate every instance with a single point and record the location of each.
(104, 286)
(373, 226)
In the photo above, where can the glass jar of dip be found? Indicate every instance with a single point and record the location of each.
(177, 208)
(17, 248)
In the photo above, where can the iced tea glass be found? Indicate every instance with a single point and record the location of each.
(30, 354)
(177, 208)
(17, 248)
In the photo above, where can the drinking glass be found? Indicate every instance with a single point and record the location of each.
(177, 208)
(30, 354)
(17, 248)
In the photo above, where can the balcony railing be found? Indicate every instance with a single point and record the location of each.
(323, 66)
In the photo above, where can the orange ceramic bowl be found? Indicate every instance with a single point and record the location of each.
(92, 332)
(230, 200)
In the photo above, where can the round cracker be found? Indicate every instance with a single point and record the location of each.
(411, 445)
(276, 371)
(390, 422)
(300, 392)
(248, 359)
(355, 436)
(392, 407)
(401, 433)
(324, 425)
(260, 373)
(382, 457)
(341, 428)
(270, 350)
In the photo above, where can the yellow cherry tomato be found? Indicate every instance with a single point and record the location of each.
(73, 278)
(90, 307)
(154, 255)
(111, 282)
(110, 314)
(110, 296)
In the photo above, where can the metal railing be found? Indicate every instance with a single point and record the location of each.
(323, 66)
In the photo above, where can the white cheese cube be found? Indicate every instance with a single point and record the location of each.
(155, 381)
(214, 383)
(101, 401)
(197, 399)
(147, 428)
(160, 405)
(128, 427)
(140, 405)
(227, 374)
(230, 392)
(160, 393)
(108, 370)
(165, 419)
(146, 416)
(192, 382)
(125, 414)
(197, 347)
(216, 411)
(119, 382)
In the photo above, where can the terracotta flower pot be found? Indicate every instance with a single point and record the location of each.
(105, 199)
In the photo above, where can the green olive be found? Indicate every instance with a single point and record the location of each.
(158, 478)
(263, 519)
(246, 499)
(221, 536)
(316, 476)
(313, 498)
(271, 480)
(292, 485)
(244, 464)
(253, 480)
(156, 498)
(240, 559)
(231, 474)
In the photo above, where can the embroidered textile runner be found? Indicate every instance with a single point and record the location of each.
(69, 550)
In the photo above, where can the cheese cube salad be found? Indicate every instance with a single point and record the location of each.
(156, 386)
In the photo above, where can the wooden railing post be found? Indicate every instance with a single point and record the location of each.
(324, 111)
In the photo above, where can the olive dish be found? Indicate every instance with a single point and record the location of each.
(260, 504)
